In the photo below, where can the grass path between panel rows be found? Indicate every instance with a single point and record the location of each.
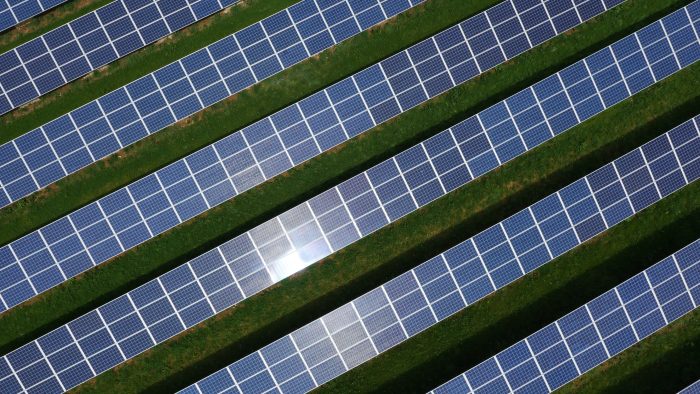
(306, 78)
(377, 258)
(123, 273)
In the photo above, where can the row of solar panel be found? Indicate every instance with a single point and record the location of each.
(58, 57)
(13, 12)
(129, 114)
(224, 276)
(211, 259)
(91, 41)
(64, 250)
(465, 375)
(228, 149)
(198, 182)
(536, 115)
(593, 333)
(238, 247)
(405, 306)
(446, 284)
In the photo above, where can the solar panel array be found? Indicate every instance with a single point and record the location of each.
(247, 264)
(190, 186)
(88, 246)
(151, 103)
(326, 119)
(91, 41)
(13, 12)
(593, 333)
(692, 389)
(449, 282)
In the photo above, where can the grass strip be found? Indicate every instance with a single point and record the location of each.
(44, 22)
(175, 247)
(665, 362)
(398, 247)
(516, 311)
(209, 125)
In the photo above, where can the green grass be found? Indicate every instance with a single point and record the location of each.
(230, 219)
(47, 21)
(491, 325)
(305, 78)
(666, 362)
(398, 247)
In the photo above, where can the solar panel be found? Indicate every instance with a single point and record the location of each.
(13, 12)
(593, 333)
(247, 264)
(332, 116)
(123, 26)
(188, 187)
(693, 388)
(91, 41)
(444, 285)
(180, 191)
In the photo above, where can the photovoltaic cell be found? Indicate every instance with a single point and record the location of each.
(593, 333)
(13, 12)
(162, 200)
(212, 175)
(448, 283)
(249, 263)
(331, 116)
(89, 42)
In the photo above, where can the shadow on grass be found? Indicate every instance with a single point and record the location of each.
(676, 369)
(545, 310)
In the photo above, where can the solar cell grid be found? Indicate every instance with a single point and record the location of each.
(593, 333)
(449, 282)
(91, 41)
(331, 116)
(15, 12)
(303, 235)
(208, 177)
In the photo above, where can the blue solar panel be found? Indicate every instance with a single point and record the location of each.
(288, 243)
(592, 334)
(216, 173)
(342, 111)
(13, 12)
(91, 41)
(206, 178)
(461, 276)
(692, 389)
